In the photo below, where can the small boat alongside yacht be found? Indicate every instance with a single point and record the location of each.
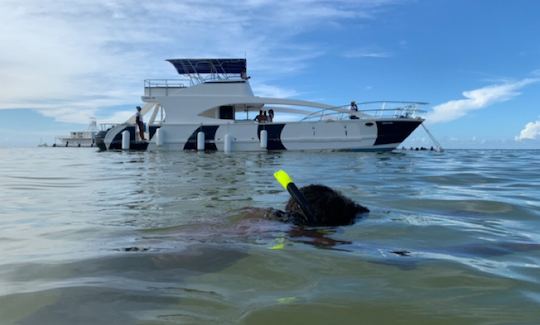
(213, 108)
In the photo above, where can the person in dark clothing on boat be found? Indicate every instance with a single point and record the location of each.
(262, 117)
(270, 115)
(354, 110)
(139, 122)
(244, 75)
(354, 107)
(259, 117)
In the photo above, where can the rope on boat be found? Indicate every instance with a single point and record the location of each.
(438, 146)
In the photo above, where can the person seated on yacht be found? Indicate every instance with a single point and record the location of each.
(139, 122)
(354, 109)
(265, 117)
(270, 115)
(244, 75)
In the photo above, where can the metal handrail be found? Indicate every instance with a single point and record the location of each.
(106, 126)
(164, 83)
(191, 80)
(393, 102)
(406, 110)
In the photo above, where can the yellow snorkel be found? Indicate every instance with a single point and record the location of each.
(286, 181)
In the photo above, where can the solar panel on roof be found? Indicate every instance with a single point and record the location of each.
(203, 66)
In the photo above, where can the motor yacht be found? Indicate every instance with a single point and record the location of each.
(212, 107)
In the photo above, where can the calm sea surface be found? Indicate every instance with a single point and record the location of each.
(161, 238)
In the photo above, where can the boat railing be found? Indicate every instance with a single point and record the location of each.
(164, 86)
(107, 126)
(378, 109)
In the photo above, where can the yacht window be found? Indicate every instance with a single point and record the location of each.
(226, 112)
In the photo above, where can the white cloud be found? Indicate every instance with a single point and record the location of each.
(366, 53)
(71, 58)
(531, 131)
(265, 90)
(477, 99)
(117, 116)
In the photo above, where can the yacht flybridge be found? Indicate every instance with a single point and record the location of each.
(213, 108)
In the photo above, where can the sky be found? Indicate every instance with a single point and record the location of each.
(477, 62)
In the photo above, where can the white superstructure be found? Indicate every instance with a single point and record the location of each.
(214, 109)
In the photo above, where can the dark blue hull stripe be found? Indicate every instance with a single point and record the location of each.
(274, 135)
(394, 131)
(116, 143)
(209, 138)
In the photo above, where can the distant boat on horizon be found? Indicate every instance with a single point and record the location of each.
(85, 138)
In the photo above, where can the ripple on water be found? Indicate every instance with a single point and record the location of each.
(461, 179)
(467, 208)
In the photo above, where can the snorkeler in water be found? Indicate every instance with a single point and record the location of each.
(312, 206)
(309, 207)
(328, 208)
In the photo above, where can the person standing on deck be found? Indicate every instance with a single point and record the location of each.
(139, 122)
(354, 110)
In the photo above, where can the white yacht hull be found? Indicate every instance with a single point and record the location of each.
(68, 142)
(373, 135)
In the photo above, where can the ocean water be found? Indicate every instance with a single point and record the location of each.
(91, 237)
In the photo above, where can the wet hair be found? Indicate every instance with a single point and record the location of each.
(330, 208)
